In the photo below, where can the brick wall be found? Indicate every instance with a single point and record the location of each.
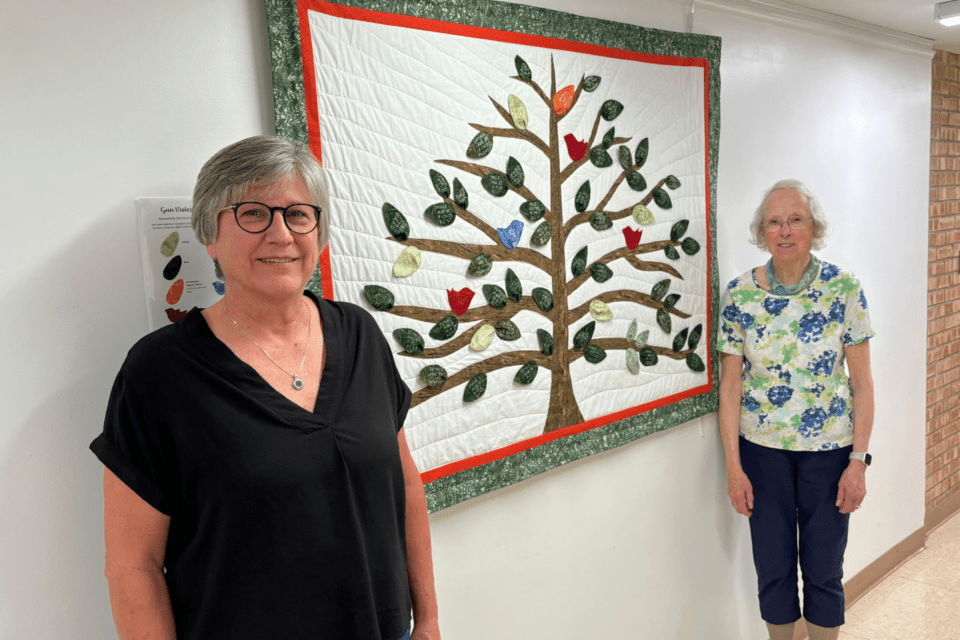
(943, 285)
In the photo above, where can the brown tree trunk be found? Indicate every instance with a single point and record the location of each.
(563, 409)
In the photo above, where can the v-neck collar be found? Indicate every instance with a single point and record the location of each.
(219, 355)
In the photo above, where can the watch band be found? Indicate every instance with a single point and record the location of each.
(862, 456)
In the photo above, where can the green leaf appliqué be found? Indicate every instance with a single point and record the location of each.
(541, 235)
(434, 376)
(546, 342)
(410, 340)
(695, 334)
(678, 229)
(527, 373)
(514, 172)
(532, 210)
(695, 363)
(514, 288)
(643, 149)
(543, 298)
(663, 319)
(507, 330)
(679, 340)
(600, 272)
(610, 110)
(475, 387)
(440, 184)
(496, 296)
(582, 199)
(441, 214)
(579, 262)
(396, 222)
(600, 221)
(600, 158)
(593, 353)
(496, 184)
(662, 198)
(445, 329)
(690, 246)
(583, 337)
(380, 298)
(480, 146)
(480, 265)
(660, 289)
(460, 194)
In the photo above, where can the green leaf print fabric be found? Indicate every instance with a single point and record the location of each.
(796, 393)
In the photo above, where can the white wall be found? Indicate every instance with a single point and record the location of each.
(106, 101)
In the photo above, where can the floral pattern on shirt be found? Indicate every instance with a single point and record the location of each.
(796, 394)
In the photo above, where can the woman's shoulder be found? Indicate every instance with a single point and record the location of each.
(743, 281)
(350, 316)
(155, 352)
(833, 275)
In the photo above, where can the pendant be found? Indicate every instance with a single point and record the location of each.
(297, 383)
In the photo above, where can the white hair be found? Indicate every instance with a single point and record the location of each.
(821, 227)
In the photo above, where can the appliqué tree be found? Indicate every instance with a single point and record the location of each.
(495, 320)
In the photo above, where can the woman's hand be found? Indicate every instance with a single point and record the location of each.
(740, 492)
(425, 631)
(853, 487)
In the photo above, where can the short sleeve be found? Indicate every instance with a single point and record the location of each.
(856, 317)
(134, 450)
(731, 335)
(404, 396)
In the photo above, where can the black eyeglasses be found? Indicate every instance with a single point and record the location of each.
(256, 217)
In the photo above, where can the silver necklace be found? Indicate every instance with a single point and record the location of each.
(297, 382)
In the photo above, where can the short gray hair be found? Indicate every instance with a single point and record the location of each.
(821, 227)
(254, 162)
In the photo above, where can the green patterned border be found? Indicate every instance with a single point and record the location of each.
(289, 104)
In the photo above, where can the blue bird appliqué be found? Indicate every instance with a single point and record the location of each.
(511, 235)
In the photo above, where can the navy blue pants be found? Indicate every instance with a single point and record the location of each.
(797, 490)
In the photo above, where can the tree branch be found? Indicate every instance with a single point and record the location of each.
(513, 131)
(581, 218)
(643, 265)
(624, 252)
(486, 314)
(536, 88)
(622, 295)
(493, 363)
(481, 170)
(616, 344)
(470, 251)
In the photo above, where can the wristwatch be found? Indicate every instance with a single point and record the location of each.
(862, 456)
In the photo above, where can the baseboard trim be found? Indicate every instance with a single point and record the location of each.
(942, 512)
(876, 571)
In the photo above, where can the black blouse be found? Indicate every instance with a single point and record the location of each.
(284, 523)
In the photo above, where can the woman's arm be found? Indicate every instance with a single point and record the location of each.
(136, 539)
(739, 488)
(853, 484)
(419, 552)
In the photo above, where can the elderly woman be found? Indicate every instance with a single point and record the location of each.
(795, 425)
(258, 482)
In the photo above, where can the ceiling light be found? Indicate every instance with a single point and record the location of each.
(948, 13)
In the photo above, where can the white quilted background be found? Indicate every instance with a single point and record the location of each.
(392, 101)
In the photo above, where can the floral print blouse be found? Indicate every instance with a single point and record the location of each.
(796, 393)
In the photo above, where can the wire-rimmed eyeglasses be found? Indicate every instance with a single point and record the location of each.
(793, 222)
(256, 217)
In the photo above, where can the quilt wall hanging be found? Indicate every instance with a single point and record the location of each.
(525, 201)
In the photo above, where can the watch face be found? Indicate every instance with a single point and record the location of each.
(867, 459)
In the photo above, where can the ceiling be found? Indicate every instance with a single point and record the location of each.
(914, 17)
